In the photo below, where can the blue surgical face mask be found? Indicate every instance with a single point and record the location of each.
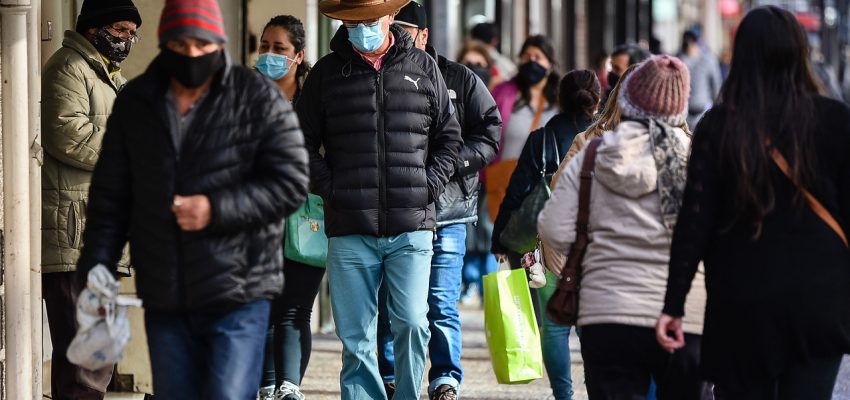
(274, 66)
(366, 38)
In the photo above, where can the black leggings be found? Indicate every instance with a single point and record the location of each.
(289, 341)
(812, 381)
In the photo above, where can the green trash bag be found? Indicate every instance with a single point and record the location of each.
(511, 328)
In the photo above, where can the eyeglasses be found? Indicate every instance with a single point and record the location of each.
(368, 24)
(124, 33)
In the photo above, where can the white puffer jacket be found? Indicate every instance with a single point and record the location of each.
(625, 269)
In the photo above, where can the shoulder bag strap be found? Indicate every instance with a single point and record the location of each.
(585, 186)
(538, 115)
(572, 268)
(544, 135)
(816, 205)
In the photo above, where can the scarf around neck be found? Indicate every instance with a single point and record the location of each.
(671, 161)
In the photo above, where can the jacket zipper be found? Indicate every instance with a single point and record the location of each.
(382, 158)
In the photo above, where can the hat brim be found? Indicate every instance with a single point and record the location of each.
(336, 10)
(406, 24)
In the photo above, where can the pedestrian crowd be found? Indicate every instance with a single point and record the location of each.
(692, 229)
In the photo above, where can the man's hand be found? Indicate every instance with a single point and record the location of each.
(193, 212)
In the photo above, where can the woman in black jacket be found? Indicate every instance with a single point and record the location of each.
(777, 274)
(579, 97)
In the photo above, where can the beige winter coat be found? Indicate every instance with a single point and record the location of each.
(625, 269)
(77, 96)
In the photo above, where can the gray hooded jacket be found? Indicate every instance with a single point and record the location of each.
(625, 269)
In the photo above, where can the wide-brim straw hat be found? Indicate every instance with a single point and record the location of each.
(360, 10)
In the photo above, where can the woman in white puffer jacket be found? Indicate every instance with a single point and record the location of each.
(636, 194)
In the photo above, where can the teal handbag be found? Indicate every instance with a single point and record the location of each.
(305, 239)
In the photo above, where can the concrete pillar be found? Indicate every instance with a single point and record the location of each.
(16, 202)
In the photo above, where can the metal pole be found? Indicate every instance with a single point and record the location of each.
(35, 161)
(16, 201)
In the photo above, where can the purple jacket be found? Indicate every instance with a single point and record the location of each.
(505, 95)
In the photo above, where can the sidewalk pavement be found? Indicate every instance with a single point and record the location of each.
(322, 379)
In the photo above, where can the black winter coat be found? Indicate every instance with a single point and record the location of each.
(780, 299)
(244, 151)
(481, 128)
(564, 127)
(390, 139)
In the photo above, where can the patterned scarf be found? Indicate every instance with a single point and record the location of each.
(671, 160)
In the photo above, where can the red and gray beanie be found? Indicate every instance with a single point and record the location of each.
(200, 19)
(658, 88)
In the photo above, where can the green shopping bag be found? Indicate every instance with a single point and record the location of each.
(306, 241)
(511, 328)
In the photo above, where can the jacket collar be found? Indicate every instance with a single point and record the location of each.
(77, 42)
(432, 52)
(341, 45)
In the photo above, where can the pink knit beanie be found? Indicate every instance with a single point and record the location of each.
(658, 88)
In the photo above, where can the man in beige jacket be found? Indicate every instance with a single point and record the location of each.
(79, 84)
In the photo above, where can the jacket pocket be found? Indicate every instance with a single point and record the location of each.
(74, 228)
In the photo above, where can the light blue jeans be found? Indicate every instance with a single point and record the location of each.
(443, 295)
(555, 339)
(356, 267)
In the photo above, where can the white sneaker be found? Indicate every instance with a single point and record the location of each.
(266, 393)
(288, 391)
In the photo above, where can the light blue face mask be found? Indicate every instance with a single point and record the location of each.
(272, 65)
(366, 38)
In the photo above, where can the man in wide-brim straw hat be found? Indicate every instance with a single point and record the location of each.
(382, 112)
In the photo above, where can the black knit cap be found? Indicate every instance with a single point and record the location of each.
(98, 13)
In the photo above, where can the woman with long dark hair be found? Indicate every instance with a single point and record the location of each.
(289, 341)
(777, 267)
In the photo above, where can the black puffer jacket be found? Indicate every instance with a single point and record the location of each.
(244, 151)
(389, 136)
(481, 127)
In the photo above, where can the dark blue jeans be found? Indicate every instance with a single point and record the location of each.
(443, 317)
(208, 356)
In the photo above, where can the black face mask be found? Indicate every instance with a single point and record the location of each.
(531, 73)
(482, 72)
(191, 72)
(112, 47)
(612, 80)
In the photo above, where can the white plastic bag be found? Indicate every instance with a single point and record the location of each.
(104, 329)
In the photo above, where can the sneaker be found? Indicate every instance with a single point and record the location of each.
(389, 387)
(288, 391)
(266, 393)
(444, 392)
